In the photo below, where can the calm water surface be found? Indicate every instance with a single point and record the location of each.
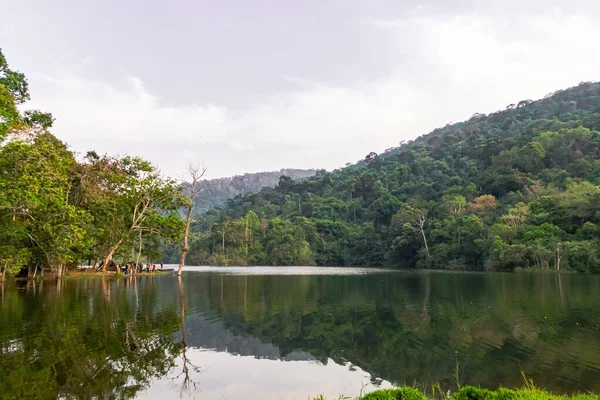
(290, 333)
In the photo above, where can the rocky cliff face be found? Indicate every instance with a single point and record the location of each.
(217, 191)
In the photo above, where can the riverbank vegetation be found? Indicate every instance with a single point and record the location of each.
(515, 188)
(58, 209)
(472, 393)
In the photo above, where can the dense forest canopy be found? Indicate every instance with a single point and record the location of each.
(515, 188)
(56, 210)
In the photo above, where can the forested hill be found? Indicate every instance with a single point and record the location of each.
(216, 191)
(515, 188)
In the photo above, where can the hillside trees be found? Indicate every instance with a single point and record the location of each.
(513, 189)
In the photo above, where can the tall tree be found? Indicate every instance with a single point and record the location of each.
(413, 216)
(194, 175)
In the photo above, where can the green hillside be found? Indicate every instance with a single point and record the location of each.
(515, 188)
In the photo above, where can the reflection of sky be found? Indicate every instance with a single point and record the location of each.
(225, 376)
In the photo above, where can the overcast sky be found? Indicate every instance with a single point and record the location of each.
(256, 85)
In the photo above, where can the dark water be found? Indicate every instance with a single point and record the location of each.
(287, 333)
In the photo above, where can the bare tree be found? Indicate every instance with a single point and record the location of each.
(195, 173)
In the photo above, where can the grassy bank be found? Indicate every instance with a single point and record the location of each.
(530, 392)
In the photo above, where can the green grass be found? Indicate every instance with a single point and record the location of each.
(529, 392)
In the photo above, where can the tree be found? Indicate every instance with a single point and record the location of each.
(222, 228)
(483, 206)
(127, 196)
(413, 216)
(14, 90)
(517, 216)
(454, 203)
(581, 200)
(194, 174)
(35, 201)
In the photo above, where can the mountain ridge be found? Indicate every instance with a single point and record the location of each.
(217, 191)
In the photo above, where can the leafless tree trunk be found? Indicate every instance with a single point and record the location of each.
(195, 174)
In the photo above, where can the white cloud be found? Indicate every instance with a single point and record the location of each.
(450, 67)
(316, 120)
(519, 54)
(98, 110)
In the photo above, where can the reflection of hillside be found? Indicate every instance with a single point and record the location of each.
(97, 338)
(205, 333)
(418, 327)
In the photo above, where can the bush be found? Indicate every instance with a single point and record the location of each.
(530, 392)
(404, 393)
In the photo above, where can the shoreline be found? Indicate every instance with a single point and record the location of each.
(84, 274)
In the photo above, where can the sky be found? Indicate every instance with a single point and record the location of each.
(245, 86)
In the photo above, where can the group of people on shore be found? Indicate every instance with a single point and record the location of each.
(131, 268)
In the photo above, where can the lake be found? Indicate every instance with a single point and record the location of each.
(291, 333)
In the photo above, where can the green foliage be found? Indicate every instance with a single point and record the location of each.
(55, 211)
(250, 241)
(516, 188)
(14, 90)
(404, 393)
(473, 393)
(9, 115)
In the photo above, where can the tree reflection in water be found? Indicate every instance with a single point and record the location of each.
(83, 339)
(111, 338)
